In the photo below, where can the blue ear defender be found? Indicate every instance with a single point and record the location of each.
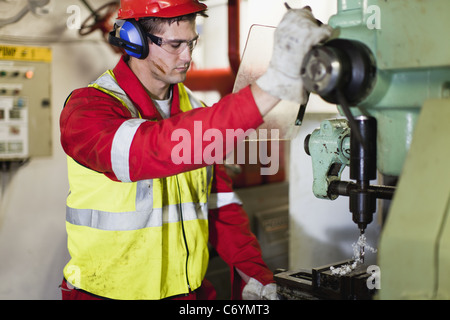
(131, 38)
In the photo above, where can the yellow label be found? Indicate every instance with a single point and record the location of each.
(22, 53)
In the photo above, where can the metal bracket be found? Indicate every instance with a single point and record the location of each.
(329, 148)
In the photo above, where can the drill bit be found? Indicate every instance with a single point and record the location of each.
(361, 245)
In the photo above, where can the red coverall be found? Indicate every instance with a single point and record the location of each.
(90, 119)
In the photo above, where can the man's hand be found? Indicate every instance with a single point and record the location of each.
(254, 290)
(296, 34)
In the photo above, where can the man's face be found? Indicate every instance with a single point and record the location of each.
(168, 67)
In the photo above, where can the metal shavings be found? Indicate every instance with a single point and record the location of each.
(357, 259)
(361, 243)
(344, 269)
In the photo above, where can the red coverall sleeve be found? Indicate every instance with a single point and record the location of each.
(91, 118)
(231, 237)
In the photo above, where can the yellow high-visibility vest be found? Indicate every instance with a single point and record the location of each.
(136, 240)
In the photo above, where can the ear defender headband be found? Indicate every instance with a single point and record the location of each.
(131, 38)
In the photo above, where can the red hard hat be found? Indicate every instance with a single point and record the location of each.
(158, 8)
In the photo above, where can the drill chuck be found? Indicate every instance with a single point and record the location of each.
(362, 207)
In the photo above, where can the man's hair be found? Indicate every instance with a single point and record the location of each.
(156, 24)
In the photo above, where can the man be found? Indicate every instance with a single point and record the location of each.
(138, 221)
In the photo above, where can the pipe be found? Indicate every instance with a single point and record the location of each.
(221, 79)
(234, 34)
(32, 5)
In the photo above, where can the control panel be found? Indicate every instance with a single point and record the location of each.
(25, 102)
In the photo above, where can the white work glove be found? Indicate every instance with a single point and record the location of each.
(254, 290)
(296, 34)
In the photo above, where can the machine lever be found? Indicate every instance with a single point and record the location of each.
(301, 111)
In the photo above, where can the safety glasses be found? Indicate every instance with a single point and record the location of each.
(173, 46)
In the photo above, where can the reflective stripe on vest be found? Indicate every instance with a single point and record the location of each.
(217, 200)
(120, 149)
(136, 240)
(135, 220)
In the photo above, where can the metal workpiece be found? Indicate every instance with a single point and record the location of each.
(321, 284)
(329, 148)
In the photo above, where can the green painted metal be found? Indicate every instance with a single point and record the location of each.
(406, 38)
(329, 146)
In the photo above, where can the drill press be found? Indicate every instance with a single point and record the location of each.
(392, 84)
(343, 72)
